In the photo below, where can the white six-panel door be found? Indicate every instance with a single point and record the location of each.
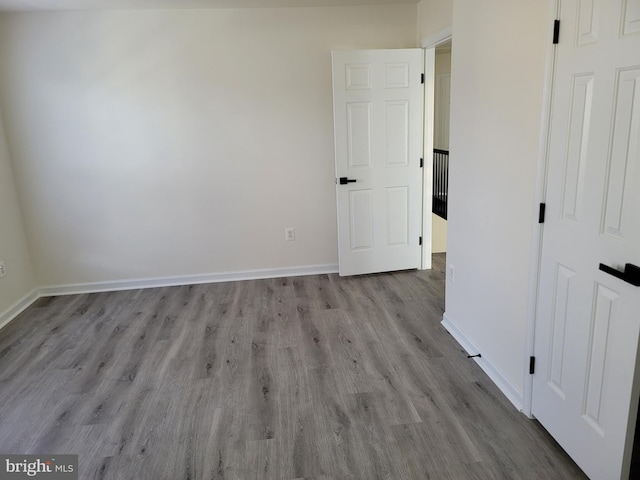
(588, 321)
(378, 111)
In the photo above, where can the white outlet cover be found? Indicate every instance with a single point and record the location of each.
(289, 234)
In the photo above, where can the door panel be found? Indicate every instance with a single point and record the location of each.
(397, 216)
(586, 31)
(396, 133)
(631, 17)
(621, 201)
(378, 136)
(579, 122)
(361, 219)
(563, 286)
(588, 325)
(359, 134)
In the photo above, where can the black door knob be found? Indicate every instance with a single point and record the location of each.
(631, 273)
(345, 180)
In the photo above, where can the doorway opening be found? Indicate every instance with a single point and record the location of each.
(440, 196)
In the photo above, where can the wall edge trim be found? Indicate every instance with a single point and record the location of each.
(436, 38)
(17, 308)
(134, 284)
(506, 386)
(26, 301)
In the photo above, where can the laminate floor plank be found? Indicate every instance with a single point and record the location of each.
(316, 378)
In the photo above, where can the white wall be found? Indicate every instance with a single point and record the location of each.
(496, 108)
(163, 143)
(14, 250)
(439, 234)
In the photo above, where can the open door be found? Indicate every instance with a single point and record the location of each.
(585, 391)
(378, 111)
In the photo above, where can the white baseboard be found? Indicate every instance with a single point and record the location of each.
(135, 284)
(53, 290)
(506, 386)
(18, 307)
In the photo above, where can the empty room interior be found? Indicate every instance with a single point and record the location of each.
(219, 259)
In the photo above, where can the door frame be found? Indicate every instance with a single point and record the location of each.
(540, 196)
(429, 45)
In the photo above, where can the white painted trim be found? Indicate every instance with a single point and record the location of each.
(429, 44)
(17, 308)
(537, 233)
(506, 386)
(437, 38)
(77, 288)
(427, 152)
(184, 280)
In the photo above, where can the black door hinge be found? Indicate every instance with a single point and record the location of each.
(422, 78)
(543, 209)
(420, 241)
(422, 163)
(532, 365)
(556, 31)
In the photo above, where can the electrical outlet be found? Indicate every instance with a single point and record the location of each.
(452, 273)
(289, 234)
(3, 270)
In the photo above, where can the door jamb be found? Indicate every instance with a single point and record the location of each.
(427, 149)
(540, 196)
(429, 45)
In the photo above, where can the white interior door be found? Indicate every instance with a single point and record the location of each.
(378, 110)
(588, 321)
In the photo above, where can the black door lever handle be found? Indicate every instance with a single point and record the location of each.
(630, 275)
(345, 180)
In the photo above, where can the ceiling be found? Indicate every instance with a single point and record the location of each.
(53, 5)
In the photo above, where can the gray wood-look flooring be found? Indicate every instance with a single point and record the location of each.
(316, 377)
